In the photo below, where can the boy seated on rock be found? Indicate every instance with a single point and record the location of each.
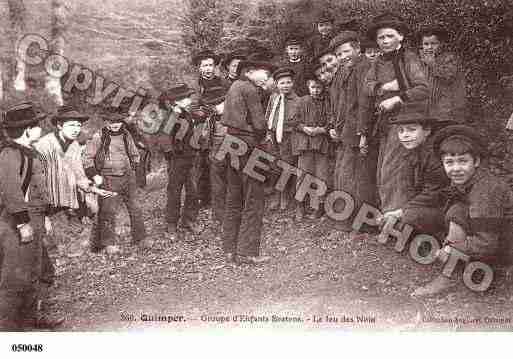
(421, 176)
(479, 205)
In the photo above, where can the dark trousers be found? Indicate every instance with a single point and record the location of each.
(126, 187)
(20, 273)
(180, 174)
(202, 178)
(218, 186)
(244, 209)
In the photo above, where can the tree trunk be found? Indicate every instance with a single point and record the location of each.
(59, 26)
(16, 71)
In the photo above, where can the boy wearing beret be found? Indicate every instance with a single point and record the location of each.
(296, 60)
(479, 207)
(395, 83)
(110, 160)
(445, 75)
(281, 122)
(310, 141)
(23, 221)
(421, 176)
(244, 118)
(370, 49)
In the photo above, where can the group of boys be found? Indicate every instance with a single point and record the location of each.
(364, 114)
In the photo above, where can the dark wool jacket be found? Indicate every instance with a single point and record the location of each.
(22, 174)
(426, 178)
(447, 100)
(353, 110)
(311, 113)
(483, 207)
(243, 111)
(414, 86)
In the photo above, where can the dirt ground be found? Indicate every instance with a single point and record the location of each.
(318, 278)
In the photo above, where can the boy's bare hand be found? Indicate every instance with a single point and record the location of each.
(26, 233)
(390, 86)
(390, 103)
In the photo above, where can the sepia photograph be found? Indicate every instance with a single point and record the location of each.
(172, 167)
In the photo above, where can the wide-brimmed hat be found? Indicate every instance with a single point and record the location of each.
(342, 38)
(258, 60)
(213, 95)
(368, 44)
(420, 117)
(113, 114)
(177, 92)
(205, 54)
(283, 72)
(463, 132)
(68, 113)
(234, 55)
(441, 33)
(22, 115)
(386, 20)
(294, 40)
(325, 16)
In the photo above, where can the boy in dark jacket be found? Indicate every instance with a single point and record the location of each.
(244, 118)
(24, 207)
(181, 153)
(110, 160)
(421, 177)
(281, 117)
(355, 167)
(479, 207)
(395, 83)
(310, 141)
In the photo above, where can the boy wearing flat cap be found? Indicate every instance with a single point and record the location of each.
(23, 221)
(110, 160)
(280, 116)
(181, 153)
(479, 208)
(395, 83)
(445, 74)
(244, 118)
(421, 176)
(351, 125)
(296, 60)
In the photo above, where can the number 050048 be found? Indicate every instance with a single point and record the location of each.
(27, 347)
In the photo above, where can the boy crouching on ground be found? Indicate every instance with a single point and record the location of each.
(421, 177)
(479, 205)
(310, 141)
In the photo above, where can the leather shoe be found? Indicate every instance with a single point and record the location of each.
(252, 260)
